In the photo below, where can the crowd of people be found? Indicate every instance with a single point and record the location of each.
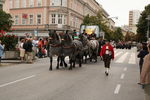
(31, 47)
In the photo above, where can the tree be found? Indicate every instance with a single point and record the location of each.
(117, 35)
(142, 25)
(5, 21)
(98, 20)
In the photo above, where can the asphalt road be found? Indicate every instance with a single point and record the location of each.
(36, 82)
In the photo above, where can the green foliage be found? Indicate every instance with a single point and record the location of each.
(5, 21)
(98, 20)
(10, 41)
(142, 25)
(117, 35)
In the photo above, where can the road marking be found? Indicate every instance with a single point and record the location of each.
(122, 76)
(117, 89)
(3, 85)
(122, 58)
(132, 59)
(117, 54)
(125, 69)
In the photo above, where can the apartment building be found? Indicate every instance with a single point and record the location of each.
(37, 16)
(134, 16)
(6, 6)
(1, 3)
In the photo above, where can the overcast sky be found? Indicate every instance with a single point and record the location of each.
(121, 8)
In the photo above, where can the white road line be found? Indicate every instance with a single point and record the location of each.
(117, 54)
(122, 58)
(117, 89)
(3, 85)
(125, 69)
(132, 59)
(122, 76)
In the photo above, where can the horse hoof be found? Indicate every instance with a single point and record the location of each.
(61, 64)
(80, 65)
(70, 68)
(50, 69)
(66, 66)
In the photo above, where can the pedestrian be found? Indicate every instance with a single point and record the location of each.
(28, 50)
(1, 50)
(107, 53)
(143, 52)
(22, 50)
(145, 75)
(74, 34)
(92, 36)
(40, 45)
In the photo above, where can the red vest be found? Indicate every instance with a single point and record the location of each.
(110, 48)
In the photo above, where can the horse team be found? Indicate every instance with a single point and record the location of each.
(76, 49)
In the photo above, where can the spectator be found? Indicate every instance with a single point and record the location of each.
(145, 75)
(28, 50)
(143, 52)
(22, 50)
(1, 50)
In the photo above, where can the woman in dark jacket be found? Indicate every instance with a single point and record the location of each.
(142, 54)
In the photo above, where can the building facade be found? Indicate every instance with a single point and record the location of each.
(134, 16)
(31, 16)
(6, 6)
(1, 3)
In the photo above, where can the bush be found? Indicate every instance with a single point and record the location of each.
(10, 41)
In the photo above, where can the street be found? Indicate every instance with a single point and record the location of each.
(36, 82)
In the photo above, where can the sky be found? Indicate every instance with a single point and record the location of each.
(121, 8)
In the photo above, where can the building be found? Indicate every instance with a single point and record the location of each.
(37, 16)
(134, 16)
(6, 6)
(1, 3)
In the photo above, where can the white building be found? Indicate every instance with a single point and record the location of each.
(134, 16)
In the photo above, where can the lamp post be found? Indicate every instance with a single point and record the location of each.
(148, 18)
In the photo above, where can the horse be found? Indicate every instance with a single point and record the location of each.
(55, 48)
(94, 47)
(73, 49)
(85, 50)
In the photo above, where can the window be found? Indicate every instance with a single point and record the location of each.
(23, 21)
(39, 3)
(31, 3)
(23, 3)
(16, 3)
(59, 18)
(31, 19)
(16, 19)
(11, 6)
(58, 3)
(53, 18)
(39, 19)
(64, 19)
(64, 3)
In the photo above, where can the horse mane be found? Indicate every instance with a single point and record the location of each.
(67, 38)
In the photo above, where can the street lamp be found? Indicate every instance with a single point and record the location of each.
(148, 18)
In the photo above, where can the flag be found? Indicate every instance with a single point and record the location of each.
(25, 16)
